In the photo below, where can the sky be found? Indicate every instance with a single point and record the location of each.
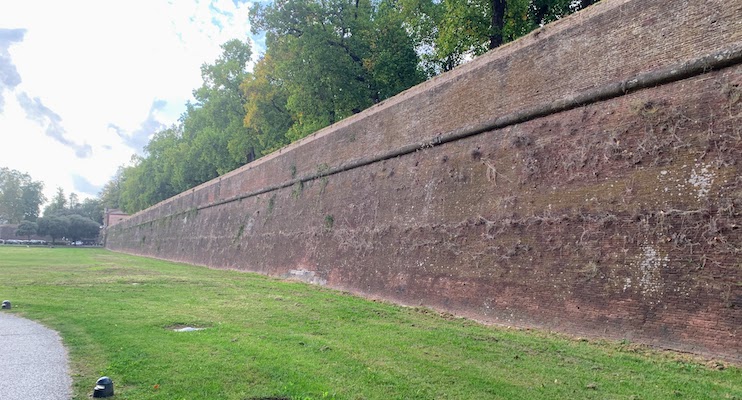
(85, 83)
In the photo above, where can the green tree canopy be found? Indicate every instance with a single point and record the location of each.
(151, 178)
(450, 32)
(62, 205)
(211, 139)
(73, 227)
(213, 126)
(332, 58)
(90, 208)
(20, 196)
(54, 226)
(81, 228)
(266, 114)
(110, 195)
(58, 203)
(27, 229)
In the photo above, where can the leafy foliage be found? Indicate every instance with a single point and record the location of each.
(20, 196)
(210, 140)
(451, 32)
(266, 114)
(73, 227)
(81, 228)
(27, 229)
(67, 217)
(62, 205)
(110, 195)
(332, 59)
(55, 226)
(58, 203)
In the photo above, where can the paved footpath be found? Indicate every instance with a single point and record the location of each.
(33, 362)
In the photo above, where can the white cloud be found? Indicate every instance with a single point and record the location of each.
(100, 67)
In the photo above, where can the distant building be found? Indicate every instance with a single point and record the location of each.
(113, 216)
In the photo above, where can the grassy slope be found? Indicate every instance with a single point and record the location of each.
(270, 338)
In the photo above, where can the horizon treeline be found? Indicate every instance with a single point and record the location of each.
(324, 61)
(21, 199)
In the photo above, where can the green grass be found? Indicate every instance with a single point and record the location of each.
(267, 338)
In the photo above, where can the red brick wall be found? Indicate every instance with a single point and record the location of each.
(8, 232)
(619, 218)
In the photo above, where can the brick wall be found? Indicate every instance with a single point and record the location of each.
(585, 179)
(7, 232)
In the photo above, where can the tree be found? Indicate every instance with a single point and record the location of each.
(62, 205)
(110, 195)
(162, 172)
(210, 140)
(74, 201)
(54, 226)
(63, 215)
(80, 227)
(451, 32)
(20, 196)
(90, 208)
(27, 229)
(331, 59)
(266, 115)
(58, 203)
(215, 122)
(32, 198)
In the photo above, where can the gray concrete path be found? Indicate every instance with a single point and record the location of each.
(33, 362)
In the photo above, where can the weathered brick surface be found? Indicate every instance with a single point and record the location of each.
(617, 219)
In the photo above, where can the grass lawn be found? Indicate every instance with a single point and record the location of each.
(268, 338)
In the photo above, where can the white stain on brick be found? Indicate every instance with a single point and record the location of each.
(701, 180)
(306, 276)
(651, 264)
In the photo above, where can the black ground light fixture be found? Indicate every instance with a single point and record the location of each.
(6, 305)
(103, 387)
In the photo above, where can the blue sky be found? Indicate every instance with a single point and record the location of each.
(85, 83)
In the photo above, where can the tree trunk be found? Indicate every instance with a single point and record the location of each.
(497, 22)
(251, 154)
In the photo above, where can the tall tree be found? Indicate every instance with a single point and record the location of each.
(334, 58)
(58, 203)
(266, 116)
(81, 228)
(73, 201)
(210, 140)
(20, 196)
(62, 205)
(110, 195)
(54, 226)
(215, 122)
(90, 208)
(152, 177)
(450, 32)
(32, 199)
